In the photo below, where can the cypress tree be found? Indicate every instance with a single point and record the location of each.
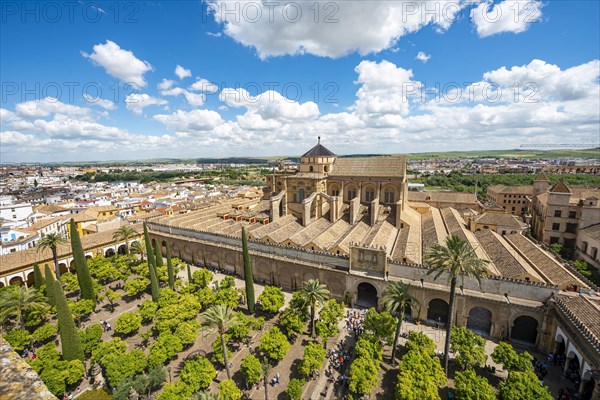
(170, 271)
(151, 265)
(81, 268)
(69, 337)
(38, 278)
(49, 278)
(248, 277)
(189, 271)
(149, 249)
(158, 254)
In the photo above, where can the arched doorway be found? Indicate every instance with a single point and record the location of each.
(589, 384)
(438, 311)
(366, 296)
(16, 280)
(1, 284)
(122, 250)
(573, 369)
(30, 279)
(524, 330)
(480, 321)
(561, 346)
(109, 252)
(62, 267)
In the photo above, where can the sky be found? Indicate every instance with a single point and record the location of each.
(118, 80)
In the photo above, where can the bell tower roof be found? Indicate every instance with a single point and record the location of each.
(319, 151)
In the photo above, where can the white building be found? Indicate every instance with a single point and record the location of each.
(16, 212)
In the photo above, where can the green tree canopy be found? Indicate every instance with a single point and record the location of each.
(274, 344)
(469, 346)
(271, 299)
(469, 386)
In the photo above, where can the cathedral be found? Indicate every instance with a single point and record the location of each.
(325, 185)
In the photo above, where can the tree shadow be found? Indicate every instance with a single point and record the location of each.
(388, 383)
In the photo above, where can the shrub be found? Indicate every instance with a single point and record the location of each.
(135, 287)
(148, 310)
(187, 331)
(229, 390)
(128, 322)
(295, 388)
(198, 373)
(18, 338)
(44, 332)
(251, 368)
(274, 344)
(271, 299)
(90, 337)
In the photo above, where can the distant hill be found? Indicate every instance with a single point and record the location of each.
(516, 153)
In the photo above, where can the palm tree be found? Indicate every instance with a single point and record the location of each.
(209, 396)
(266, 371)
(52, 241)
(396, 299)
(124, 233)
(314, 292)
(456, 259)
(16, 300)
(221, 318)
(138, 247)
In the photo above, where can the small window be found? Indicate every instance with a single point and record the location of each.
(555, 226)
(554, 240)
(310, 168)
(572, 214)
(351, 194)
(557, 213)
(369, 195)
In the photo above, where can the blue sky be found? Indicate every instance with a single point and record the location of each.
(368, 77)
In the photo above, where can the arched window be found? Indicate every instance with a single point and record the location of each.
(351, 193)
(301, 193)
(388, 196)
(369, 195)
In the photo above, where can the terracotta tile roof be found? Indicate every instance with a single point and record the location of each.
(541, 177)
(85, 216)
(369, 166)
(593, 231)
(528, 190)
(505, 261)
(560, 187)
(502, 219)
(584, 312)
(15, 261)
(51, 209)
(42, 223)
(543, 262)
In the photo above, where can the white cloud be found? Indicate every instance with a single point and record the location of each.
(329, 29)
(192, 121)
(202, 85)
(269, 105)
(182, 72)
(63, 127)
(137, 102)
(106, 104)
(8, 138)
(421, 56)
(120, 63)
(194, 99)
(166, 84)
(45, 107)
(385, 89)
(507, 16)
